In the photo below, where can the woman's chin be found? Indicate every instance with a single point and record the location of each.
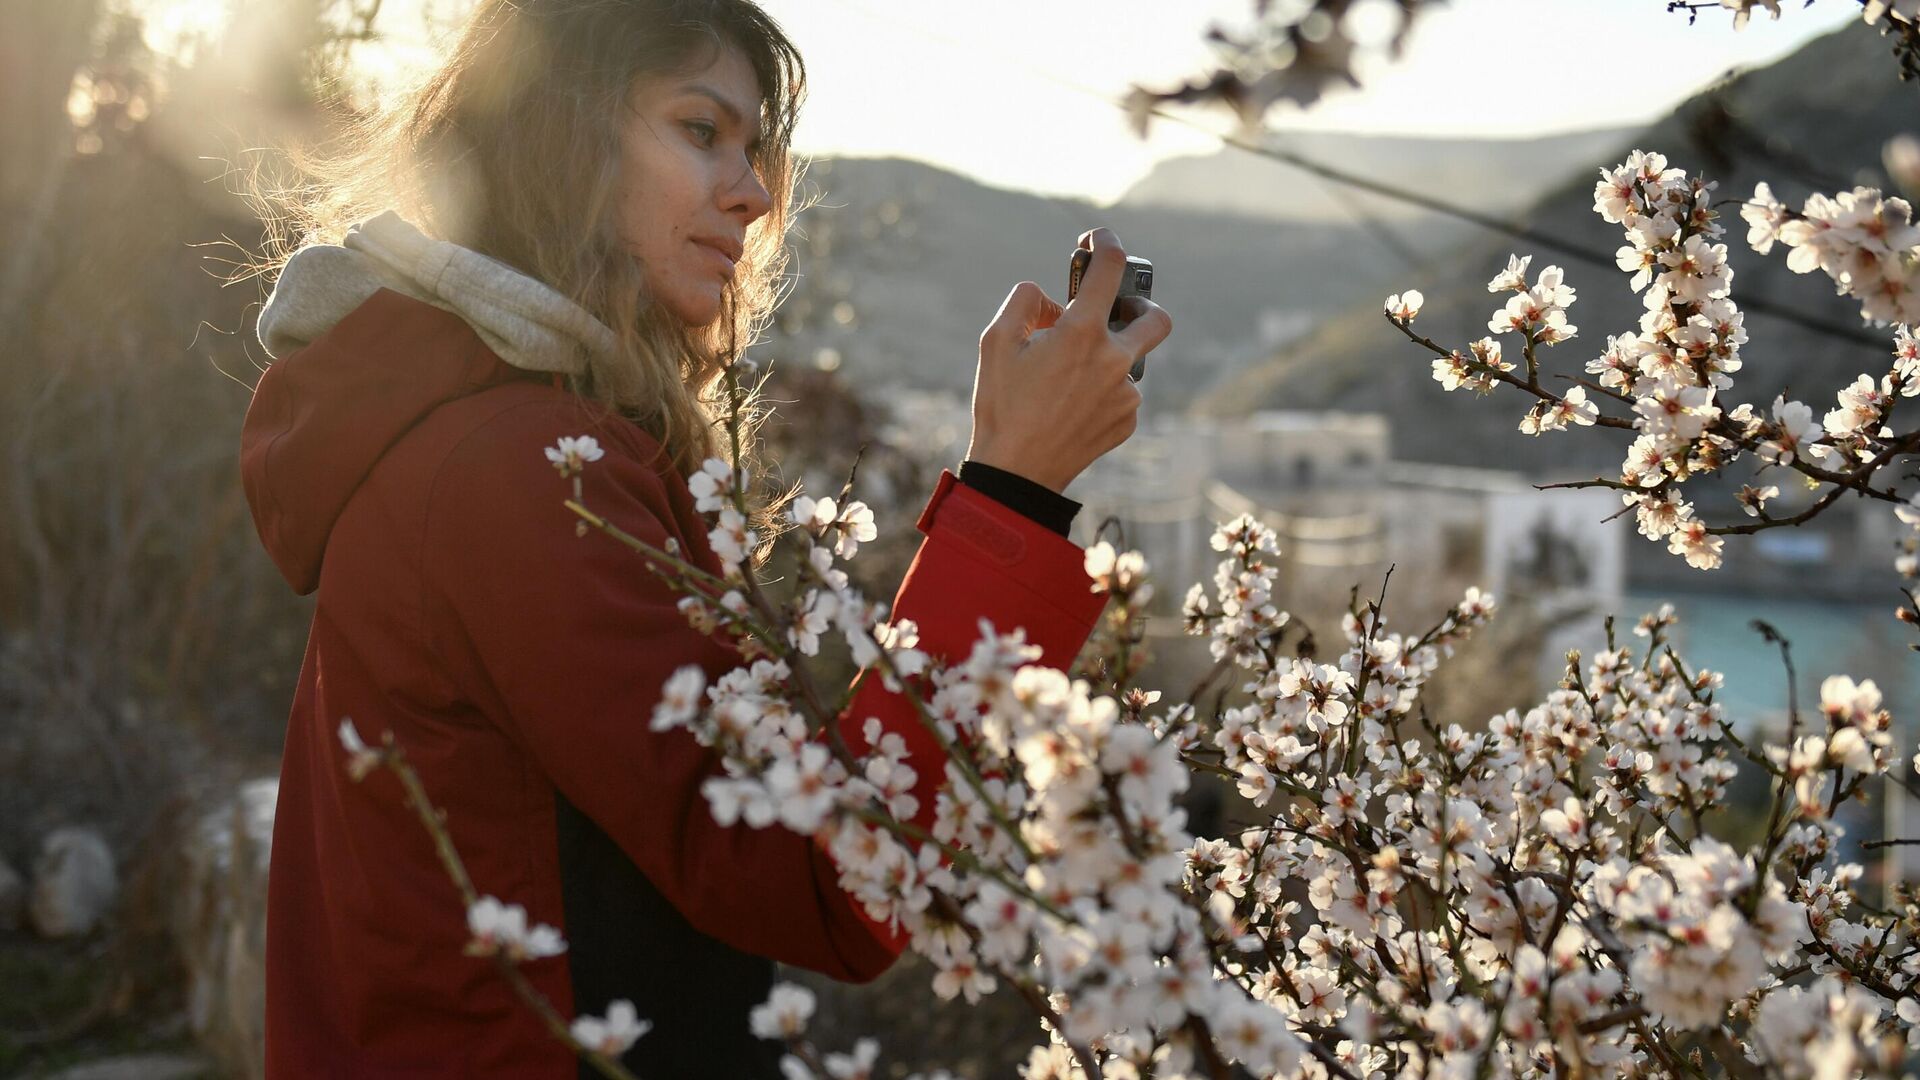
(697, 310)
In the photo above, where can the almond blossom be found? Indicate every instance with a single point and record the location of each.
(1494, 894)
(1674, 411)
(844, 527)
(1743, 9)
(1794, 433)
(784, 1014)
(679, 698)
(1868, 244)
(713, 486)
(615, 1034)
(1538, 312)
(1673, 374)
(502, 928)
(1455, 371)
(573, 452)
(1542, 892)
(1861, 404)
(1572, 408)
(1753, 499)
(361, 760)
(731, 540)
(1514, 277)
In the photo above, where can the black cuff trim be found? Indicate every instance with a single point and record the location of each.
(1036, 501)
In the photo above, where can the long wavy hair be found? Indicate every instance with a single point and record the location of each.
(512, 148)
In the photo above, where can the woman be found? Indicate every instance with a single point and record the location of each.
(566, 231)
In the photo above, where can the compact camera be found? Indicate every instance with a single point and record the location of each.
(1135, 280)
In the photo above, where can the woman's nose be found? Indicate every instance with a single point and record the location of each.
(749, 194)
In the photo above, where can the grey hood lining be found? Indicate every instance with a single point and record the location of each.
(528, 323)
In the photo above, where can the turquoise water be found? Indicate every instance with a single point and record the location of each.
(1860, 640)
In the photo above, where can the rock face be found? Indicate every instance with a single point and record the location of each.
(74, 883)
(13, 897)
(220, 925)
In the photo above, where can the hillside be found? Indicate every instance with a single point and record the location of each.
(1241, 182)
(923, 300)
(1248, 253)
(1826, 109)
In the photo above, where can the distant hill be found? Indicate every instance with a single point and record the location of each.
(1234, 283)
(1242, 182)
(1820, 114)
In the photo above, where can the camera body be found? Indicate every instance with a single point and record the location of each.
(1135, 280)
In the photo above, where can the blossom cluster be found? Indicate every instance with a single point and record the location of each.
(1551, 891)
(1867, 243)
(1675, 371)
(502, 928)
(1413, 898)
(1541, 893)
(1686, 350)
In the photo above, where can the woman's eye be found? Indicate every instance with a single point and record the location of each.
(711, 131)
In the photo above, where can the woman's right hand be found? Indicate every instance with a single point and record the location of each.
(1051, 394)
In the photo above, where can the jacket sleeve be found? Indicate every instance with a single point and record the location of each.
(574, 638)
(1036, 501)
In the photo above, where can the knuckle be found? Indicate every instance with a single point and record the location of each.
(1082, 330)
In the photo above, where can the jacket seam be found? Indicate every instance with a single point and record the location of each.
(267, 486)
(427, 581)
(443, 670)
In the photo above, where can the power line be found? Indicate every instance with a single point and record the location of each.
(1571, 249)
(1354, 209)
(1368, 220)
(1568, 248)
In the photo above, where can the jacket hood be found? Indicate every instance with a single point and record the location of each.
(526, 321)
(367, 338)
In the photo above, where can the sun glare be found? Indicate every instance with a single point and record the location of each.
(179, 27)
(964, 94)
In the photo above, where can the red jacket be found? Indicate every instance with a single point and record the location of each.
(395, 466)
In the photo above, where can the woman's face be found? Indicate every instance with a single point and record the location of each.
(687, 185)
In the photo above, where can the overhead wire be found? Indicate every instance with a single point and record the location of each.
(1569, 248)
(1353, 207)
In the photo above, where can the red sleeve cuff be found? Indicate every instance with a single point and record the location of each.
(979, 547)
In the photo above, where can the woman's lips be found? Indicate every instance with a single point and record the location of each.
(717, 253)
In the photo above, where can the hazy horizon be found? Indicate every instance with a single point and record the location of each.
(1045, 119)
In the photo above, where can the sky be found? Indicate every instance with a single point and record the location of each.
(1017, 93)
(1020, 93)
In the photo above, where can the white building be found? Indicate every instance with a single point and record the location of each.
(1344, 511)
